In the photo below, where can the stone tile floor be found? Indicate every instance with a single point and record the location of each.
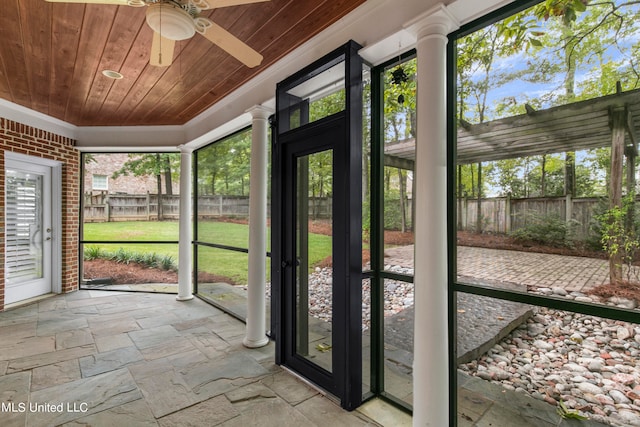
(96, 358)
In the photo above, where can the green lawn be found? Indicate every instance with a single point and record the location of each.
(221, 262)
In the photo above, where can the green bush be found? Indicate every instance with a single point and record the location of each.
(546, 230)
(166, 263)
(92, 252)
(393, 213)
(123, 256)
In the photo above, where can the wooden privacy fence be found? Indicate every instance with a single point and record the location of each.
(144, 207)
(504, 214)
(129, 207)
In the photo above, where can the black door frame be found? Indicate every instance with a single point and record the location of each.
(345, 382)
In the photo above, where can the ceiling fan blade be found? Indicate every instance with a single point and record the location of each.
(214, 4)
(161, 51)
(120, 2)
(232, 45)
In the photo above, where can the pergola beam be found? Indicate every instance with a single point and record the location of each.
(571, 127)
(398, 162)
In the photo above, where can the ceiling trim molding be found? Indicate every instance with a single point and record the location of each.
(382, 41)
(120, 137)
(27, 116)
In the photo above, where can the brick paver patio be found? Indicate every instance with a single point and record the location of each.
(515, 267)
(532, 269)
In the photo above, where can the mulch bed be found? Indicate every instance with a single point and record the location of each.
(133, 273)
(503, 241)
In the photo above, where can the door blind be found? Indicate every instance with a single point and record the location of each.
(23, 221)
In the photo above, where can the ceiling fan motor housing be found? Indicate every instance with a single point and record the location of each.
(170, 20)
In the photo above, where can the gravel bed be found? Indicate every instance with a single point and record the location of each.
(397, 295)
(590, 364)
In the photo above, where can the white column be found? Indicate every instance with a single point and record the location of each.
(185, 276)
(256, 301)
(430, 351)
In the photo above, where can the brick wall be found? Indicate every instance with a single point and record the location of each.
(107, 164)
(23, 139)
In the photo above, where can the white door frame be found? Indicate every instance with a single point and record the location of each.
(56, 211)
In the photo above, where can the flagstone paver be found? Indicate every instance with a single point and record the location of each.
(14, 393)
(112, 342)
(132, 414)
(27, 347)
(109, 361)
(74, 338)
(48, 358)
(55, 374)
(85, 396)
(217, 408)
(145, 338)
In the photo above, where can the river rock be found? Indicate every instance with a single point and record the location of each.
(619, 396)
(587, 387)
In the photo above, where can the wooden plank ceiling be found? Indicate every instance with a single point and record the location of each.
(53, 54)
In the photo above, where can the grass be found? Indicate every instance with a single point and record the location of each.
(231, 264)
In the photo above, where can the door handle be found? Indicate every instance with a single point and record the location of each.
(285, 264)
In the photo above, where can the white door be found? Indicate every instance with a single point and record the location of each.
(28, 230)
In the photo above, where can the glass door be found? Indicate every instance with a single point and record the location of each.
(309, 285)
(28, 231)
(317, 225)
(313, 307)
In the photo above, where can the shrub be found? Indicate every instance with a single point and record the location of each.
(92, 252)
(393, 212)
(166, 263)
(123, 256)
(546, 230)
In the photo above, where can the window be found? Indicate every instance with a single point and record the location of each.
(222, 211)
(545, 189)
(135, 223)
(100, 182)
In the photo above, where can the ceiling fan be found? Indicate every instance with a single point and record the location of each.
(173, 20)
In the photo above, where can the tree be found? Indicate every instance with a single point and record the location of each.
(154, 164)
(223, 167)
(506, 177)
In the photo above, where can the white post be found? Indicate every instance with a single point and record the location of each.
(185, 277)
(430, 351)
(256, 301)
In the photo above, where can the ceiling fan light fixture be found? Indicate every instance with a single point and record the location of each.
(171, 21)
